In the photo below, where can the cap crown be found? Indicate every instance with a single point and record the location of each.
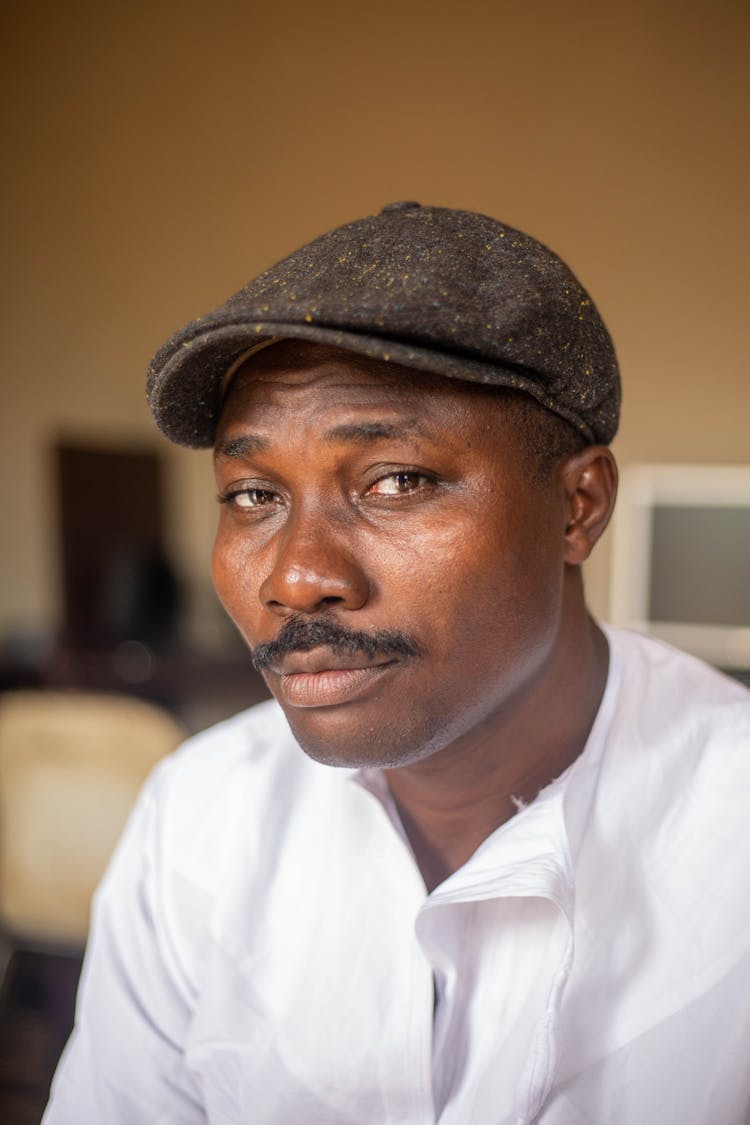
(452, 292)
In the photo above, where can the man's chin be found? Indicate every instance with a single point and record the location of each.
(335, 740)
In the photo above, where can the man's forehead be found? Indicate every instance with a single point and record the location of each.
(344, 397)
(335, 376)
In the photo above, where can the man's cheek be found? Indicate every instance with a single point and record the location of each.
(237, 583)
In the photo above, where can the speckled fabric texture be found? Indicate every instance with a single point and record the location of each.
(450, 292)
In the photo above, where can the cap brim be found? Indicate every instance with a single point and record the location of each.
(186, 377)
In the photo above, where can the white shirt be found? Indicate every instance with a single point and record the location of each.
(263, 949)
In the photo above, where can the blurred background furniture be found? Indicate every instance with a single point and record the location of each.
(71, 764)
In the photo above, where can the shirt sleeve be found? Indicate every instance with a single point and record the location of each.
(124, 1063)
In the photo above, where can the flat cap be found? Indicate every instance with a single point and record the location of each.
(450, 292)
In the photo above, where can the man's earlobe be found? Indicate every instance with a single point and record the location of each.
(590, 482)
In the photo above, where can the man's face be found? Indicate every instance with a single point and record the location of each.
(401, 508)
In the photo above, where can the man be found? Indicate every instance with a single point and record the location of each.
(523, 894)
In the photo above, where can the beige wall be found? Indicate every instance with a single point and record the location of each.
(160, 154)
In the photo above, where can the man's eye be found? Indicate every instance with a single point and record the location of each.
(399, 484)
(251, 498)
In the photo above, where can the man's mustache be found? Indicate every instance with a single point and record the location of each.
(299, 634)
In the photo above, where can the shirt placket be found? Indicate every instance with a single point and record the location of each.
(527, 862)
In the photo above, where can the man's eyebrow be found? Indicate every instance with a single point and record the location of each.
(245, 445)
(363, 432)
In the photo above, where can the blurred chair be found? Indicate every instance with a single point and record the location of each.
(71, 764)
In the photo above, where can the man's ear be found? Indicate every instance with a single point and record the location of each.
(590, 482)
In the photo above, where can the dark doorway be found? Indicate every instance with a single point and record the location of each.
(117, 582)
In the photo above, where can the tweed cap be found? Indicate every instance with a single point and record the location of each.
(450, 292)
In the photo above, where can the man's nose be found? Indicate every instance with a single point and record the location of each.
(314, 567)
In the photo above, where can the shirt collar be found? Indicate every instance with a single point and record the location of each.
(535, 852)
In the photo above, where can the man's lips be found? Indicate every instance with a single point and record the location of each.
(325, 660)
(323, 678)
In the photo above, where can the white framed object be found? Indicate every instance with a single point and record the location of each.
(681, 558)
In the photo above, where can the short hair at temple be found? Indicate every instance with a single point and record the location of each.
(546, 439)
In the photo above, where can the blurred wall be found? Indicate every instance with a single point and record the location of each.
(161, 154)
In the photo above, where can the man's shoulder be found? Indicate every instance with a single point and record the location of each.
(222, 807)
(661, 878)
(677, 734)
(673, 687)
(242, 757)
(677, 745)
(247, 737)
(222, 786)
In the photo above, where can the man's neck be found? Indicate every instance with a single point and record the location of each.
(451, 802)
